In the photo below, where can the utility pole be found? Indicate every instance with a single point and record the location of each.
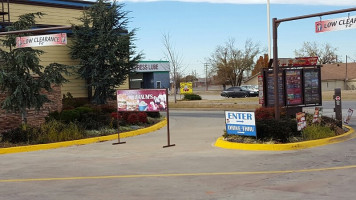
(206, 76)
(346, 75)
(269, 29)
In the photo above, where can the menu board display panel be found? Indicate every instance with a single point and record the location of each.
(311, 86)
(294, 86)
(270, 88)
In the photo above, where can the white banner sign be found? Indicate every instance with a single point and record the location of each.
(152, 67)
(335, 24)
(41, 40)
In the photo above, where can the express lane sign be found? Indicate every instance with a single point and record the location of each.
(240, 123)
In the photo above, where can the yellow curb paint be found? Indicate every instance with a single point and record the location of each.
(178, 175)
(82, 141)
(220, 142)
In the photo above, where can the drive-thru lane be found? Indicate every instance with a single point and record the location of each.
(193, 169)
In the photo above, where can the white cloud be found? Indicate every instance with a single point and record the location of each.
(300, 2)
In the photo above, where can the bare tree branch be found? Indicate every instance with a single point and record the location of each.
(175, 59)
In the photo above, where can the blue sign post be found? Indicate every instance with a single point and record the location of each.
(240, 123)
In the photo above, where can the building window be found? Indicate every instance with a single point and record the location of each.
(158, 84)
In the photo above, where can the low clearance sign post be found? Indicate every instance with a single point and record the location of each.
(240, 123)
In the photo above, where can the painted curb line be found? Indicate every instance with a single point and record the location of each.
(37, 147)
(220, 142)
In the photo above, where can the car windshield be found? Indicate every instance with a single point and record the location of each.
(248, 87)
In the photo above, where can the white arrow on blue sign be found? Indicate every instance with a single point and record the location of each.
(240, 123)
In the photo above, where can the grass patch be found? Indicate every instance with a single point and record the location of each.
(315, 132)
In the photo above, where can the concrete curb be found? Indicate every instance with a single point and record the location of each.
(82, 141)
(220, 142)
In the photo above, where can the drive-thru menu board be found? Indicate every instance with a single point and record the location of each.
(270, 89)
(294, 87)
(297, 86)
(311, 86)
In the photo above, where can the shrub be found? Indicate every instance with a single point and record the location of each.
(18, 135)
(52, 131)
(192, 97)
(84, 109)
(107, 108)
(267, 113)
(280, 131)
(264, 113)
(53, 116)
(315, 131)
(55, 131)
(132, 118)
(125, 115)
(69, 115)
(142, 117)
(92, 120)
(70, 103)
(153, 114)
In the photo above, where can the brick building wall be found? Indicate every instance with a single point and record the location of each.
(9, 121)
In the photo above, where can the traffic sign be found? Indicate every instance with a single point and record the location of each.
(337, 98)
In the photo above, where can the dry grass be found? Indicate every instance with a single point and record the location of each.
(345, 95)
(228, 103)
(250, 103)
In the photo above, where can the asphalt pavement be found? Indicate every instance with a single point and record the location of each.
(192, 169)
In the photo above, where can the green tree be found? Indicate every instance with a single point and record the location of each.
(21, 76)
(104, 48)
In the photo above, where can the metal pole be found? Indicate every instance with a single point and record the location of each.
(317, 15)
(269, 30)
(206, 76)
(118, 131)
(346, 75)
(275, 70)
(168, 133)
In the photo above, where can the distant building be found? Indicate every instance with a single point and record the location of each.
(340, 75)
(150, 75)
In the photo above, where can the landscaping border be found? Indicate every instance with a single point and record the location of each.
(82, 141)
(220, 142)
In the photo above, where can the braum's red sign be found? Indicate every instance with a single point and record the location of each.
(142, 100)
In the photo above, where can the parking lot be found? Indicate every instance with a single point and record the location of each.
(193, 169)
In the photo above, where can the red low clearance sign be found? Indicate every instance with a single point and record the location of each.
(41, 40)
(335, 24)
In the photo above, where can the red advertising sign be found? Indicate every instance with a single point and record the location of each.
(142, 100)
(297, 62)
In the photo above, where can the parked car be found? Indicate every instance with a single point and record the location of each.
(250, 87)
(238, 91)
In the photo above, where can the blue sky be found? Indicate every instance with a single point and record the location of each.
(197, 27)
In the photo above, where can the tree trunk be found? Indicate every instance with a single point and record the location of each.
(90, 90)
(23, 116)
